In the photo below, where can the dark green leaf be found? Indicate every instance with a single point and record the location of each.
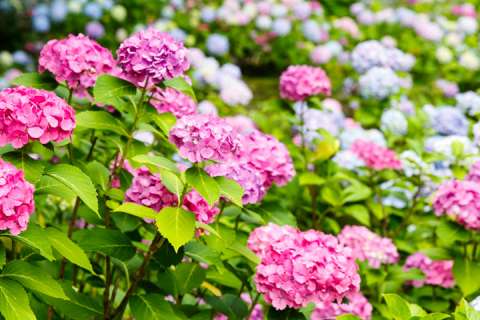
(100, 120)
(110, 242)
(287, 314)
(110, 90)
(230, 305)
(188, 277)
(153, 307)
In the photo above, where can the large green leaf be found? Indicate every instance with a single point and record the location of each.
(156, 162)
(202, 253)
(448, 232)
(100, 120)
(14, 304)
(180, 84)
(33, 169)
(110, 90)
(153, 307)
(359, 212)
(51, 186)
(137, 210)
(172, 182)
(99, 174)
(69, 249)
(188, 277)
(35, 80)
(73, 178)
(176, 225)
(230, 305)
(33, 278)
(464, 271)
(36, 238)
(110, 242)
(164, 121)
(230, 189)
(398, 308)
(203, 184)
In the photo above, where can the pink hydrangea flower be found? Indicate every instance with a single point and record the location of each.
(437, 272)
(375, 156)
(474, 173)
(202, 137)
(147, 190)
(298, 83)
(171, 100)
(152, 55)
(357, 305)
(195, 203)
(28, 114)
(243, 124)
(269, 156)
(262, 237)
(16, 199)
(368, 246)
(461, 200)
(311, 267)
(251, 180)
(77, 59)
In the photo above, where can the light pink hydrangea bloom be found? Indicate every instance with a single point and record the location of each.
(375, 157)
(28, 114)
(77, 59)
(202, 137)
(262, 237)
(437, 272)
(16, 199)
(147, 190)
(153, 55)
(357, 305)
(474, 173)
(461, 200)
(298, 83)
(243, 124)
(368, 246)
(195, 203)
(174, 101)
(311, 267)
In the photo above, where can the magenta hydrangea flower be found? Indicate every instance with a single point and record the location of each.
(368, 246)
(202, 137)
(298, 83)
(437, 272)
(269, 156)
(474, 173)
(28, 114)
(355, 304)
(148, 190)
(262, 237)
(16, 199)
(151, 55)
(171, 100)
(375, 157)
(310, 267)
(195, 203)
(77, 59)
(461, 200)
(251, 180)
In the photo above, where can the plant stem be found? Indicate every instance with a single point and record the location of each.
(254, 302)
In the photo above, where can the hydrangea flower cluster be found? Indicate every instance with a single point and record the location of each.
(16, 199)
(308, 267)
(195, 203)
(461, 200)
(174, 101)
(262, 237)
(356, 304)
(437, 272)
(368, 246)
(447, 120)
(77, 59)
(153, 56)
(28, 114)
(298, 83)
(379, 83)
(394, 121)
(375, 157)
(468, 102)
(474, 173)
(202, 137)
(372, 53)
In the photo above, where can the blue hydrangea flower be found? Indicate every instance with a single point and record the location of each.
(394, 121)
(58, 10)
(40, 23)
(217, 44)
(468, 102)
(447, 120)
(379, 83)
(21, 57)
(178, 34)
(281, 26)
(312, 31)
(208, 14)
(93, 10)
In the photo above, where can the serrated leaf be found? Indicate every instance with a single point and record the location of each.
(110, 90)
(73, 178)
(172, 182)
(137, 210)
(99, 174)
(36, 238)
(398, 308)
(35, 80)
(180, 84)
(359, 212)
(109, 242)
(205, 185)
(165, 121)
(156, 162)
(188, 277)
(67, 248)
(244, 251)
(152, 307)
(230, 189)
(464, 271)
(99, 120)
(51, 186)
(176, 225)
(14, 304)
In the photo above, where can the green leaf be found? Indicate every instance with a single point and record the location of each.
(188, 277)
(398, 308)
(181, 85)
(110, 90)
(3, 256)
(34, 278)
(36, 238)
(359, 212)
(435, 316)
(287, 314)
(67, 248)
(99, 174)
(172, 182)
(73, 178)
(347, 317)
(33, 169)
(14, 304)
(331, 196)
(244, 251)
(165, 121)
(202, 253)
(51, 186)
(203, 184)
(464, 271)
(110, 242)
(230, 189)
(152, 307)
(176, 225)
(100, 120)
(448, 232)
(35, 80)
(156, 162)
(357, 191)
(465, 311)
(230, 305)
(310, 179)
(137, 210)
